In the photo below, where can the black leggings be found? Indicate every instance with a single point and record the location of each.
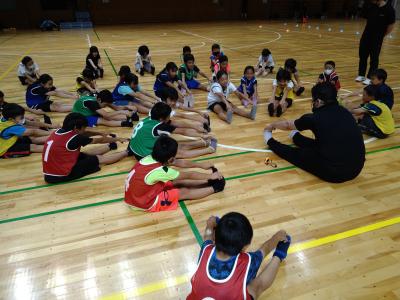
(307, 158)
(369, 47)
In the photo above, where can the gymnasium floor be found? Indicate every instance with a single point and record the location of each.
(78, 240)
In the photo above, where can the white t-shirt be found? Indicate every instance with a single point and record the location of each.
(22, 69)
(140, 60)
(269, 63)
(290, 84)
(217, 88)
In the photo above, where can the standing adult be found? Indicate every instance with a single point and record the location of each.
(381, 17)
(337, 154)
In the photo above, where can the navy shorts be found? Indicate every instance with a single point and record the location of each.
(192, 84)
(92, 120)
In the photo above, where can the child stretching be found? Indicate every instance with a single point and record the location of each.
(62, 158)
(93, 109)
(130, 92)
(265, 64)
(38, 94)
(282, 94)
(143, 61)
(147, 131)
(28, 71)
(188, 73)
(197, 121)
(153, 186)
(16, 140)
(290, 66)
(167, 78)
(329, 75)
(248, 86)
(86, 84)
(216, 54)
(93, 62)
(222, 65)
(374, 117)
(185, 51)
(218, 99)
(225, 270)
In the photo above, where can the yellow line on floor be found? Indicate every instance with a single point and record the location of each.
(2, 76)
(175, 281)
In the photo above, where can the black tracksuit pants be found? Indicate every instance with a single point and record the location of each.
(370, 46)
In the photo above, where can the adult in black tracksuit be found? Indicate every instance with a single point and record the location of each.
(337, 153)
(380, 17)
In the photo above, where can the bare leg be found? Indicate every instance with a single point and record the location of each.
(187, 145)
(110, 123)
(265, 279)
(36, 148)
(99, 150)
(192, 194)
(141, 108)
(240, 111)
(189, 183)
(57, 107)
(220, 113)
(283, 105)
(194, 153)
(112, 158)
(203, 87)
(40, 140)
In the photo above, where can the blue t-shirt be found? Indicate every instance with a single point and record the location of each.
(162, 79)
(249, 85)
(36, 94)
(15, 130)
(221, 269)
(385, 95)
(122, 91)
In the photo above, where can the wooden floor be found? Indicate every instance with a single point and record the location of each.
(78, 240)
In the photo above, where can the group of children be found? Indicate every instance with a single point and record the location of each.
(154, 184)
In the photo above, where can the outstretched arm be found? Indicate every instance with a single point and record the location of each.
(183, 163)
(270, 244)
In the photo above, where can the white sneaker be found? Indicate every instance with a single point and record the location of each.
(360, 78)
(367, 81)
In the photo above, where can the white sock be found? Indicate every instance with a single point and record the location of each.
(267, 136)
(292, 133)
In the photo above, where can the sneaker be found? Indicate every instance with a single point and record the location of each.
(300, 91)
(367, 81)
(279, 111)
(153, 70)
(253, 112)
(213, 144)
(282, 248)
(113, 146)
(360, 78)
(207, 127)
(126, 124)
(271, 109)
(134, 116)
(217, 184)
(141, 72)
(47, 119)
(229, 116)
(245, 103)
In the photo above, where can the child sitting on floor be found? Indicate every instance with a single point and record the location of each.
(222, 65)
(384, 93)
(147, 131)
(282, 94)
(28, 71)
(86, 84)
(218, 99)
(188, 73)
(329, 75)
(216, 54)
(265, 64)
(168, 78)
(16, 139)
(92, 107)
(197, 121)
(248, 86)
(38, 94)
(185, 50)
(374, 117)
(130, 92)
(154, 186)
(62, 158)
(290, 66)
(93, 62)
(225, 270)
(143, 61)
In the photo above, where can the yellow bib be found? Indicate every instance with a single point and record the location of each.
(384, 121)
(6, 144)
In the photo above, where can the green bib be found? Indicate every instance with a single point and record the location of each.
(79, 106)
(190, 74)
(143, 140)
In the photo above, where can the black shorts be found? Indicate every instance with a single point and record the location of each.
(45, 106)
(222, 104)
(131, 153)
(22, 147)
(23, 80)
(289, 101)
(86, 164)
(368, 126)
(266, 68)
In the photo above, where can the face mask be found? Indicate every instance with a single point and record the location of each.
(328, 71)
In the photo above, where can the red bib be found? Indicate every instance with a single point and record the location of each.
(231, 288)
(57, 160)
